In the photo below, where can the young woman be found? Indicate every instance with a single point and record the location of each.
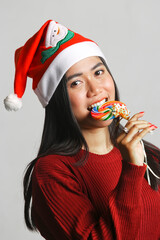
(89, 179)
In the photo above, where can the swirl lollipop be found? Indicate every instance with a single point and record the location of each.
(110, 110)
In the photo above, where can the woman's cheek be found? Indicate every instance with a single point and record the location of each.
(75, 104)
(77, 97)
(74, 100)
(111, 88)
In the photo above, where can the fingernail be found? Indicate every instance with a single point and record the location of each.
(152, 125)
(141, 112)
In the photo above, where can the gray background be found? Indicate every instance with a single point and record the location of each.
(127, 31)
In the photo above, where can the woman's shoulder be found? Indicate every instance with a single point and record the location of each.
(51, 162)
(51, 159)
(48, 166)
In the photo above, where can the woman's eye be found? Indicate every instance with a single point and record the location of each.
(99, 72)
(75, 83)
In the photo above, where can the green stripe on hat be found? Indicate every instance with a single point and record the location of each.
(49, 52)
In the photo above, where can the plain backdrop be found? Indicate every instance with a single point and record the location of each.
(128, 33)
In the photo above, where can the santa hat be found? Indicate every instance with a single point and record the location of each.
(45, 58)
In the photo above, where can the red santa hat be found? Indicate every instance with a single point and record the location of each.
(45, 58)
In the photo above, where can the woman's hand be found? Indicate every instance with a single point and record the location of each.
(129, 143)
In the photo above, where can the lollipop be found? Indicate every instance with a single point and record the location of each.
(110, 110)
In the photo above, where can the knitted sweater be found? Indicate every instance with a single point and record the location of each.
(107, 198)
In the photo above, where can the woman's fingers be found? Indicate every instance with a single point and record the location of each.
(133, 128)
(137, 116)
(137, 138)
(130, 124)
(129, 140)
(133, 120)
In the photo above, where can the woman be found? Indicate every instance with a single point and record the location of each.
(89, 179)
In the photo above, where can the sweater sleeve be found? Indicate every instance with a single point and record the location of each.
(62, 211)
(125, 201)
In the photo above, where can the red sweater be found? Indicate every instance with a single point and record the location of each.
(107, 198)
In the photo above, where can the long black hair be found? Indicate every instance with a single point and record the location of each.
(62, 135)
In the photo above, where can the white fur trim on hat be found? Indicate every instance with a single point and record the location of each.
(12, 102)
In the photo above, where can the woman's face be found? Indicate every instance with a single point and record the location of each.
(89, 82)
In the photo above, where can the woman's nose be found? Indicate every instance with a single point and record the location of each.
(94, 88)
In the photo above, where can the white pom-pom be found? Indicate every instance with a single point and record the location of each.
(12, 102)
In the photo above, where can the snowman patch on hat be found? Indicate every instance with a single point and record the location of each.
(57, 35)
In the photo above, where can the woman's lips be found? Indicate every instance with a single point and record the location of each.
(98, 103)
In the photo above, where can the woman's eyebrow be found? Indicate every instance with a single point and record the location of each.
(80, 74)
(97, 65)
(73, 76)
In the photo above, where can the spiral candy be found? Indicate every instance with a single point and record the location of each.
(110, 110)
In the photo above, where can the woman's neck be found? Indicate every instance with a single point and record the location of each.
(98, 140)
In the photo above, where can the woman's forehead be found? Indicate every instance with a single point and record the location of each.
(86, 64)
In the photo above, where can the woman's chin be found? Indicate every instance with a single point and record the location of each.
(92, 123)
(100, 123)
